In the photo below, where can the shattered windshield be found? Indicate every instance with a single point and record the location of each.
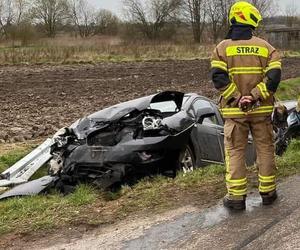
(167, 106)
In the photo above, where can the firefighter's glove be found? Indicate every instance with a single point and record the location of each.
(247, 103)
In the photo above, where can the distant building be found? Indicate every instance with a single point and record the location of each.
(284, 37)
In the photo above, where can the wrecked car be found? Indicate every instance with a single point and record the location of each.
(291, 128)
(161, 133)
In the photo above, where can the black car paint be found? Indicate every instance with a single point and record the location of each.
(150, 153)
(131, 154)
(86, 160)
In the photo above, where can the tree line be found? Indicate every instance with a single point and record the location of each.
(19, 17)
(150, 19)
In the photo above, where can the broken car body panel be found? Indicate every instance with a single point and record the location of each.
(128, 137)
(145, 135)
(30, 188)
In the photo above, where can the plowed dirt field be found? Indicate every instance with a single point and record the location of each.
(37, 100)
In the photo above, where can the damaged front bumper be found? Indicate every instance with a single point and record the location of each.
(104, 165)
(30, 188)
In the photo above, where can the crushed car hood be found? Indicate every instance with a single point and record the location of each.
(102, 118)
(118, 111)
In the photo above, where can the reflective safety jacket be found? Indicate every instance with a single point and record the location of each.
(245, 67)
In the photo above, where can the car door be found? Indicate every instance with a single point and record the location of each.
(207, 135)
(250, 154)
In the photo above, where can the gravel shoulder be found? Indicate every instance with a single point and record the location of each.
(190, 227)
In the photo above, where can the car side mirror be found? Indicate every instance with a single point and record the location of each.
(204, 113)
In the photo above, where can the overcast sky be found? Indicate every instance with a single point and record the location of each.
(116, 5)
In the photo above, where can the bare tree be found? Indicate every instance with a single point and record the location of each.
(83, 16)
(291, 13)
(11, 14)
(50, 13)
(266, 7)
(217, 17)
(152, 16)
(195, 13)
(106, 22)
(6, 16)
(21, 9)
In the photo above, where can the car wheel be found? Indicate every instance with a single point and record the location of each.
(187, 160)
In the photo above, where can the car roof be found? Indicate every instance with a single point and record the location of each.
(195, 95)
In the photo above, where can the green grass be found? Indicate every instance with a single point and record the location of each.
(43, 212)
(89, 206)
(289, 164)
(289, 89)
(12, 157)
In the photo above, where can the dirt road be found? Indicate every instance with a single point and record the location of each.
(37, 100)
(273, 227)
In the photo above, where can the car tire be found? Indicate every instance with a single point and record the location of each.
(186, 160)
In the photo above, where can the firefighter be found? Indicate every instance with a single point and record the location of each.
(247, 71)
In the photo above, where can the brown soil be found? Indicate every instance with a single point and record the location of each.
(38, 100)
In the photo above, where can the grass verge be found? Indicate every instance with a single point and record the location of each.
(289, 89)
(87, 206)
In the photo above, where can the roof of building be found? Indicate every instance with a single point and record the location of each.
(281, 28)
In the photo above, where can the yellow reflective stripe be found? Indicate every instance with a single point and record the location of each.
(246, 72)
(266, 189)
(229, 91)
(239, 182)
(237, 111)
(219, 64)
(247, 51)
(249, 113)
(267, 178)
(237, 191)
(275, 66)
(263, 90)
(224, 64)
(275, 63)
(227, 163)
(246, 69)
(272, 67)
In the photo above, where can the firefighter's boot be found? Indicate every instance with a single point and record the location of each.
(235, 202)
(268, 198)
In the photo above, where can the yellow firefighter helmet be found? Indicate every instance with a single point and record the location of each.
(244, 13)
